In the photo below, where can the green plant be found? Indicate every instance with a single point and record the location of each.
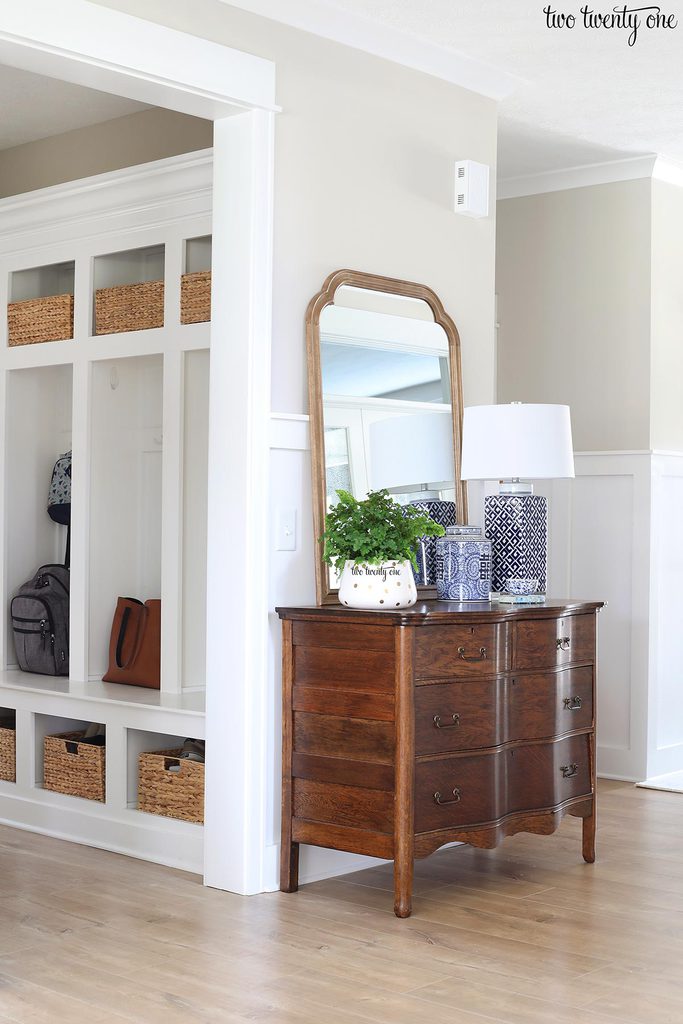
(375, 530)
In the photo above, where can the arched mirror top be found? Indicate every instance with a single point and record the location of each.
(385, 399)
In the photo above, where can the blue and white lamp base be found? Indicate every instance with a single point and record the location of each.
(445, 514)
(517, 526)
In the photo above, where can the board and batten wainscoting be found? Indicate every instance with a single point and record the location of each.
(616, 528)
(292, 580)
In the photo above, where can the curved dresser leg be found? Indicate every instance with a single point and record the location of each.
(403, 883)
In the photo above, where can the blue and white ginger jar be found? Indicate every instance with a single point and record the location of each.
(463, 565)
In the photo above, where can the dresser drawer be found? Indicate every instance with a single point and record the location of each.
(546, 704)
(459, 716)
(458, 792)
(548, 643)
(488, 712)
(460, 651)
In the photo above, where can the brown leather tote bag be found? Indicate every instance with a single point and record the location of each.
(135, 644)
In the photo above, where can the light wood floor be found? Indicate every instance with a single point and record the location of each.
(527, 934)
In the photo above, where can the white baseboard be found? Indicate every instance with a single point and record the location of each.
(618, 778)
(175, 844)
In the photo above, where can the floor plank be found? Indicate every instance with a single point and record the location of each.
(525, 934)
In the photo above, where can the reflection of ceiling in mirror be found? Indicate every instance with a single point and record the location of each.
(383, 302)
(360, 372)
(368, 354)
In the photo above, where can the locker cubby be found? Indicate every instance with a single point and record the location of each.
(51, 725)
(41, 282)
(41, 304)
(131, 266)
(125, 492)
(140, 741)
(129, 290)
(198, 254)
(195, 285)
(8, 745)
(39, 403)
(8, 718)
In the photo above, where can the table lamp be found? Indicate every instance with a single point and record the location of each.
(515, 444)
(414, 454)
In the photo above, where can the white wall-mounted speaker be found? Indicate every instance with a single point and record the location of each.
(472, 188)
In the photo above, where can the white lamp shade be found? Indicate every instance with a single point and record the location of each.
(525, 442)
(411, 450)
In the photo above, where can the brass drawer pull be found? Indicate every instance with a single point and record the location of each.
(477, 657)
(456, 798)
(568, 770)
(563, 643)
(573, 703)
(447, 725)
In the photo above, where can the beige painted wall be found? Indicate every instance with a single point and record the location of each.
(364, 179)
(573, 283)
(667, 317)
(147, 135)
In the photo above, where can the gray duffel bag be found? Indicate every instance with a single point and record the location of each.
(40, 621)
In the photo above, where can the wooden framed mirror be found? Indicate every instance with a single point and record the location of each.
(381, 350)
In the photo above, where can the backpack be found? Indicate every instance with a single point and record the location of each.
(59, 498)
(40, 621)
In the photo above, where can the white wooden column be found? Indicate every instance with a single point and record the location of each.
(238, 711)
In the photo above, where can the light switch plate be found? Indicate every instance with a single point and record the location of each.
(285, 529)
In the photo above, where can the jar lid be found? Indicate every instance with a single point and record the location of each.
(460, 530)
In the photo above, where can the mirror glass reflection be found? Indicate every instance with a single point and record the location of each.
(386, 396)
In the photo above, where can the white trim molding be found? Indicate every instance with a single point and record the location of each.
(289, 432)
(381, 40)
(577, 177)
(237, 694)
(585, 175)
(668, 171)
(146, 194)
(103, 49)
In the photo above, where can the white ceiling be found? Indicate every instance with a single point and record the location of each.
(580, 96)
(587, 96)
(34, 107)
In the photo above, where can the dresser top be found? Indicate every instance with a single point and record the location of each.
(444, 612)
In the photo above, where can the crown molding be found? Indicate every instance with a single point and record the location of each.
(668, 171)
(382, 40)
(582, 176)
(146, 194)
(631, 169)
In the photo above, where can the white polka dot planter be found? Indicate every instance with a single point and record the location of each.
(381, 587)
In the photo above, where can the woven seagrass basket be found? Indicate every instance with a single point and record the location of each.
(47, 319)
(8, 755)
(74, 768)
(172, 794)
(195, 297)
(129, 307)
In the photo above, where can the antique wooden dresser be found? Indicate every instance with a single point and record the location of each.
(444, 722)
